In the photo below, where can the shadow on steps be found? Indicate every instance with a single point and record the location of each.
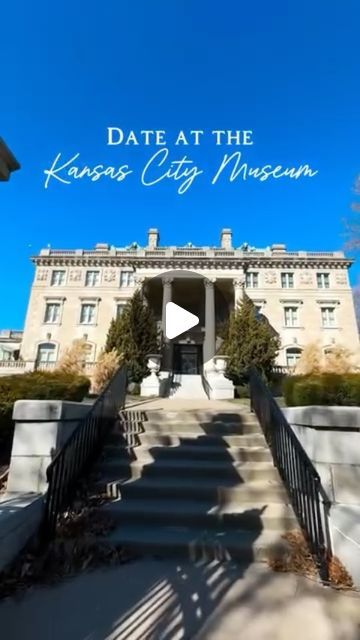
(176, 503)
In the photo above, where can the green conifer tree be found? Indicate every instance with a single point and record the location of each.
(134, 335)
(249, 341)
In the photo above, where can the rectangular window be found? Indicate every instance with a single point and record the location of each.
(287, 280)
(119, 310)
(291, 316)
(57, 278)
(252, 279)
(328, 316)
(126, 279)
(52, 312)
(92, 278)
(323, 280)
(87, 314)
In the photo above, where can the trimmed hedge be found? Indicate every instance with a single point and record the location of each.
(275, 384)
(325, 388)
(242, 391)
(38, 385)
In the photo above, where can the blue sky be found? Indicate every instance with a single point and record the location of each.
(287, 71)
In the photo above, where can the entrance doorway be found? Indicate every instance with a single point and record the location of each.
(187, 358)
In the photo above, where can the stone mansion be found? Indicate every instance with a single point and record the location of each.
(306, 296)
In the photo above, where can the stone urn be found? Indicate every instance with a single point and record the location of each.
(220, 364)
(153, 363)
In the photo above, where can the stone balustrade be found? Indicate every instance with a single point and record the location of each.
(15, 367)
(191, 252)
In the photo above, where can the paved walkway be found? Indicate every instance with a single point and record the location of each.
(168, 600)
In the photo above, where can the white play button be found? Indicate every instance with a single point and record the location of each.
(178, 320)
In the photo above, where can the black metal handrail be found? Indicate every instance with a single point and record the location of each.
(205, 383)
(302, 481)
(79, 451)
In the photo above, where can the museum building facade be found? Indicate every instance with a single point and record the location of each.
(305, 295)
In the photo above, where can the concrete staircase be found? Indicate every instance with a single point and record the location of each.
(187, 386)
(196, 483)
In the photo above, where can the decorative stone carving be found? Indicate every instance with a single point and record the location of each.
(109, 275)
(239, 282)
(42, 275)
(341, 278)
(270, 277)
(153, 363)
(306, 277)
(75, 275)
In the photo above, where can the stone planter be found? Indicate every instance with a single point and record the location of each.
(220, 364)
(221, 388)
(153, 363)
(150, 386)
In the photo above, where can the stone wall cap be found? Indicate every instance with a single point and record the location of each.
(49, 410)
(332, 417)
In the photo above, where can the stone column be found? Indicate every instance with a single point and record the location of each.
(210, 337)
(166, 364)
(139, 282)
(239, 288)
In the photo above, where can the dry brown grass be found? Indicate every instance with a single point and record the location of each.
(338, 360)
(107, 364)
(73, 359)
(338, 576)
(310, 360)
(80, 544)
(299, 560)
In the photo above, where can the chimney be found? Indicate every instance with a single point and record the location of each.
(278, 248)
(226, 239)
(153, 238)
(102, 246)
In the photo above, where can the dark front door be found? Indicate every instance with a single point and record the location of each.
(187, 358)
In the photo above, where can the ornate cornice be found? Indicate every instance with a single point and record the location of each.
(204, 262)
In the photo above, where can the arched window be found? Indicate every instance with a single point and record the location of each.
(46, 353)
(292, 356)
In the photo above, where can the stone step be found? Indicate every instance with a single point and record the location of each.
(199, 544)
(170, 439)
(188, 387)
(219, 493)
(235, 471)
(200, 415)
(251, 515)
(195, 428)
(188, 452)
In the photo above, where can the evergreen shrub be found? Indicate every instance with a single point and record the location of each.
(134, 335)
(37, 385)
(322, 389)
